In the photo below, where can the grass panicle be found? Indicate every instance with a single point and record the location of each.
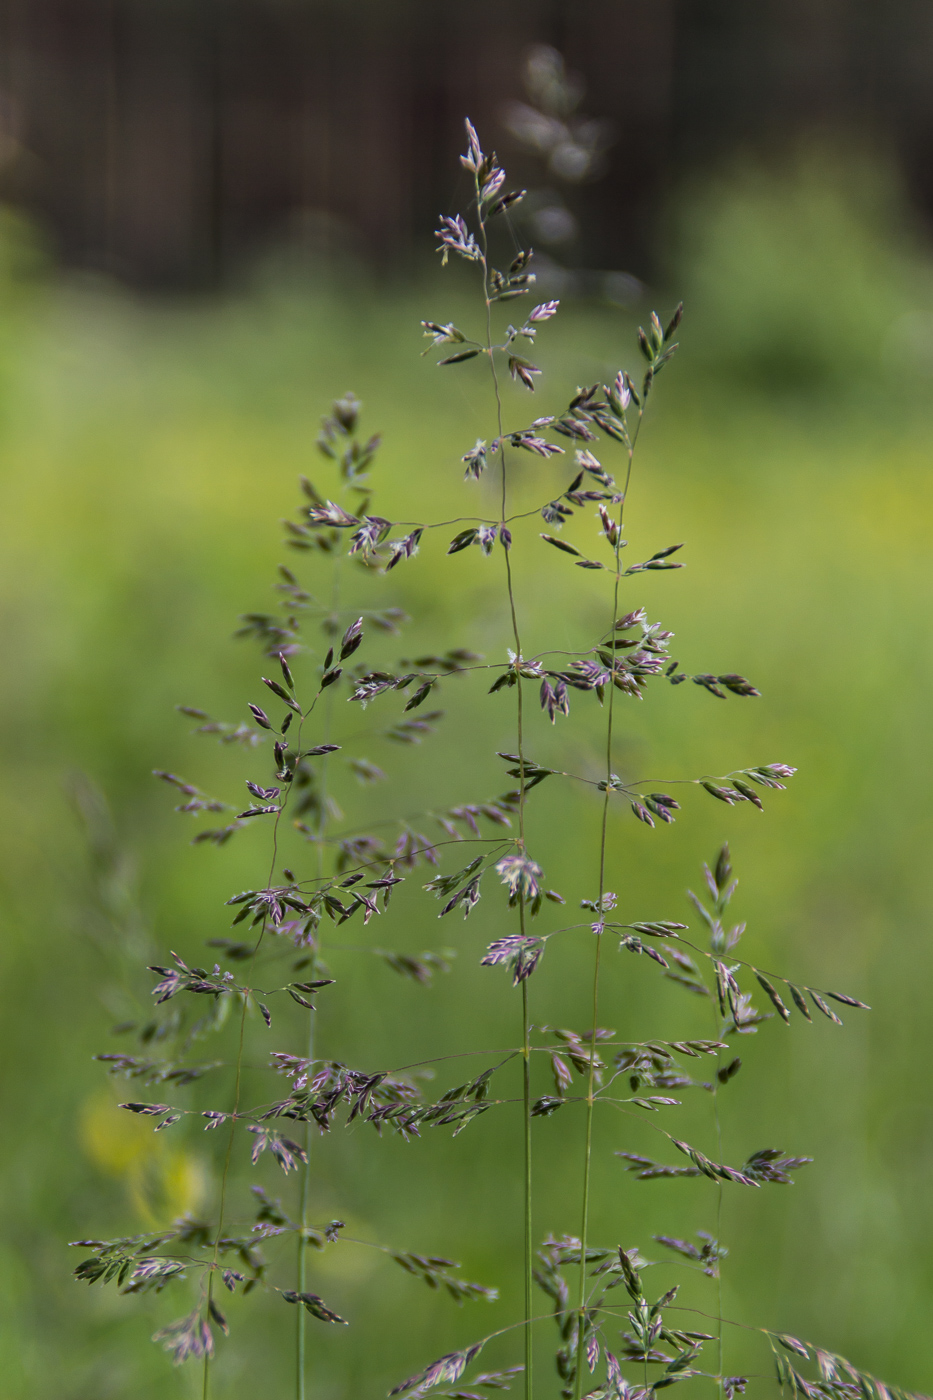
(279, 1089)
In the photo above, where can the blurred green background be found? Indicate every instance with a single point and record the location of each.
(148, 451)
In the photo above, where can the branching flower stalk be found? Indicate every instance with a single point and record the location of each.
(301, 1316)
(321, 866)
(212, 1309)
(486, 192)
(624, 392)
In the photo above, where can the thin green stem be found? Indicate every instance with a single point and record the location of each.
(528, 1252)
(604, 827)
(205, 1384)
(301, 1319)
(300, 1339)
(719, 1191)
(238, 1081)
(529, 1241)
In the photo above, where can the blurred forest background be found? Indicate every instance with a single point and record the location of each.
(217, 217)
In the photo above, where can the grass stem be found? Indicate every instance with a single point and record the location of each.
(528, 1247)
(603, 834)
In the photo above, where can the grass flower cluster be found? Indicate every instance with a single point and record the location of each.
(618, 1334)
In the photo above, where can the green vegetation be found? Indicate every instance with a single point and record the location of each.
(146, 453)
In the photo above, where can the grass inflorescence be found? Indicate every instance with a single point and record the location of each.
(619, 1336)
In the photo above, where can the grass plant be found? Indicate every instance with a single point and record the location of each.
(591, 1082)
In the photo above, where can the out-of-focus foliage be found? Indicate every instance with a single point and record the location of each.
(147, 454)
(795, 270)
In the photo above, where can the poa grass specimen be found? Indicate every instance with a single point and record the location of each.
(618, 1337)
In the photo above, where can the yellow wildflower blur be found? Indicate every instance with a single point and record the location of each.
(162, 1181)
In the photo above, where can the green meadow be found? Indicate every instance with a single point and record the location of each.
(148, 454)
